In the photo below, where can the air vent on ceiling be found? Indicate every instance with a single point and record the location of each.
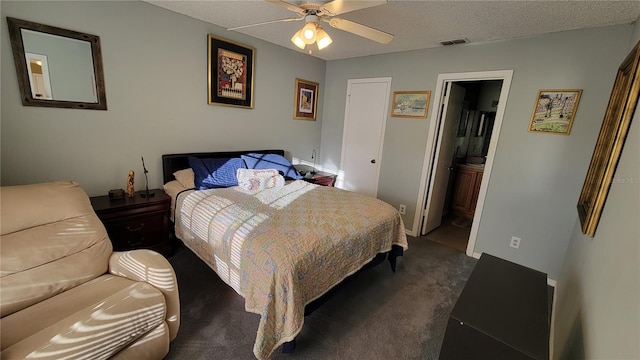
(454, 42)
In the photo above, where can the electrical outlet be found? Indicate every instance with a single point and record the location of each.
(515, 242)
(402, 208)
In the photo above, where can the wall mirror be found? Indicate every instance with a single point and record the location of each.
(57, 67)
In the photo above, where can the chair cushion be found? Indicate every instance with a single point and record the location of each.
(40, 262)
(27, 206)
(51, 241)
(95, 319)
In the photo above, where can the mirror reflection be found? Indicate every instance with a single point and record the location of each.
(68, 64)
(38, 68)
(57, 67)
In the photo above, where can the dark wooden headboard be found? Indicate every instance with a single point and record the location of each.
(174, 162)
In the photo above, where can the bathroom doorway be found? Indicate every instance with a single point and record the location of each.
(460, 152)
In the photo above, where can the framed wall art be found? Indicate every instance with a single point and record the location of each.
(230, 73)
(305, 103)
(554, 111)
(615, 126)
(410, 104)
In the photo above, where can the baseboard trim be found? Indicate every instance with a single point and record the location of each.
(410, 233)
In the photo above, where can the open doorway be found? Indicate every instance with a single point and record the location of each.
(470, 116)
(460, 149)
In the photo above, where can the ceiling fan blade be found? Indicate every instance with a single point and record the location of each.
(360, 30)
(265, 22)
(288, 6)
(337, 7)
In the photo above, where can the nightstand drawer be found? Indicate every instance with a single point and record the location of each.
(139, 232)
(136, 222)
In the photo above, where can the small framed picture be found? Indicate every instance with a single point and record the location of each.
(305, 102)
(230, 73)
(554, 111)
(410, 104)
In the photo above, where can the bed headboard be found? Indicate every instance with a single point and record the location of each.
(174, 162)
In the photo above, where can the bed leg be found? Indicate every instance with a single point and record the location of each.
(392, 261)
(289, 346)
(393, 255)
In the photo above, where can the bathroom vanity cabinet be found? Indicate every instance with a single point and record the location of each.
(466, 189)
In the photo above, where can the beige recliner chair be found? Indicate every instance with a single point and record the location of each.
(65, 294)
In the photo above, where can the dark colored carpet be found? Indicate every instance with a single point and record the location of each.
(375, 315)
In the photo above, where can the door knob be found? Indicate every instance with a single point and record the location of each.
(373, 161)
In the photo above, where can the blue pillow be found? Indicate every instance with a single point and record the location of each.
(215, 173)
(272, 161)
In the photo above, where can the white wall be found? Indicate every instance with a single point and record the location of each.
(536, 178)
(598, 291)
(155, 65)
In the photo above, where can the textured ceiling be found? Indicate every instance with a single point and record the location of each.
(415, 24)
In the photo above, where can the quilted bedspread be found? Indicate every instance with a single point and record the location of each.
(283, 247)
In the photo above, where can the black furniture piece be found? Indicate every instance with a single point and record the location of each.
(136, 222)
(321, 178)
(502, 313)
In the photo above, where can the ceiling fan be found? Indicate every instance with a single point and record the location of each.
(313, 12)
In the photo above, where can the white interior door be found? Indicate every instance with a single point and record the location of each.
(445, 150)
(364, 125)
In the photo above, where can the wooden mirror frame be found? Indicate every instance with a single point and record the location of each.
(615, 126)
(17, 45)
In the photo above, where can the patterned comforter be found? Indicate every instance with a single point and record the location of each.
(284, 247)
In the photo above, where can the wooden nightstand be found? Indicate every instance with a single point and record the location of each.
(321, 178)
(136, 222)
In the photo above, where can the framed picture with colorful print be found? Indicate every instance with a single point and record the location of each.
(554, 111)
(230, 73)
(305, 103)
(410, 104)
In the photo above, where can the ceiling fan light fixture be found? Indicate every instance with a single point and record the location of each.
(309, 33)
(298, 41)
(322, 38)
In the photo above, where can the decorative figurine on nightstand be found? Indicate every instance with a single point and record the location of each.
(130, 191)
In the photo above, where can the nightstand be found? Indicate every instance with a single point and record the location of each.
(136, 222)
(321, 178)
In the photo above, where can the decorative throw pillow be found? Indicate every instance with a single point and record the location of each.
(215, 173)
(185, 177)
(272, 161)
(256, 180)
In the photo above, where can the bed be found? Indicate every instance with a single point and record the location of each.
(281, 248)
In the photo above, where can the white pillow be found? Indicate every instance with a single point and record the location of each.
(186, 177)
(173, 188)
(256, 180)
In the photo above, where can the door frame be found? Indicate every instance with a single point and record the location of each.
(431, 152)
(347, 108)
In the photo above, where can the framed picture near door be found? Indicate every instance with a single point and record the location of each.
(554, 111)
(305, 102)
(410, 104)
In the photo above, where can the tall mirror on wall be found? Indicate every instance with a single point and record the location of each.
(57, 67)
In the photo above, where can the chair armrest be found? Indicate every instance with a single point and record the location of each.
(151, 267)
